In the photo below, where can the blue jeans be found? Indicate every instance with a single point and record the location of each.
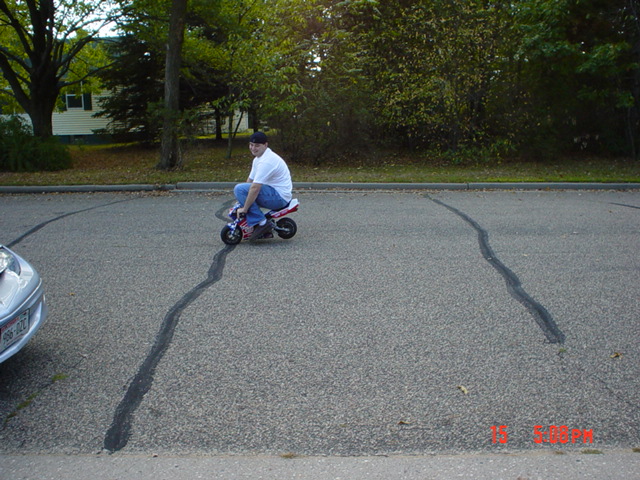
(267, 198)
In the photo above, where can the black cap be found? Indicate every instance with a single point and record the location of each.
(258, 137)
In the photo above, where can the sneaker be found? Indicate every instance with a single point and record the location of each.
(259, 231)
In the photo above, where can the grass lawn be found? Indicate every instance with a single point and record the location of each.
(206, 162)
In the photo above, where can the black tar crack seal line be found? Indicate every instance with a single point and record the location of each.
(625, 205)
(60, 217)
(539, 313)
(118, 434)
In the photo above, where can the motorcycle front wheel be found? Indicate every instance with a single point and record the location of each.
(231, 237)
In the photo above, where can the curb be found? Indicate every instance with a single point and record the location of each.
(226, 186)
(534, 464)
(84, 188)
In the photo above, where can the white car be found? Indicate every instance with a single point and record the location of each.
(22, 303)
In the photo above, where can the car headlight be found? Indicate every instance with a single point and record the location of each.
(8, 262)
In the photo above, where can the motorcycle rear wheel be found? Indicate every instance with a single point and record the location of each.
(287, 228)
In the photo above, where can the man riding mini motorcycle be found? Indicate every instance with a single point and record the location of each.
(268, 186)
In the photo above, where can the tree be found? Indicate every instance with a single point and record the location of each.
(41, 42)
(135, 78)
(170, 156)
(134, 83)
(227, 50)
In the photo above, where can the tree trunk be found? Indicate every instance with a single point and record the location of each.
(41, 119)
(254, 123)
(219, 120)
(40, 105)
(170, 156)
(229, 137)
(632, 120)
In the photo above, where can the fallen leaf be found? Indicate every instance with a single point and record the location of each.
(463, 389)
(616, 355)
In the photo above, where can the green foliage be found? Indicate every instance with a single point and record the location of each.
(579, 62)
(219, 70)
(332, 122)
(20, 151)
(464, 78)
(318, 97)
(432, 63)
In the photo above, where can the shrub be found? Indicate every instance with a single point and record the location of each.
(20, 151)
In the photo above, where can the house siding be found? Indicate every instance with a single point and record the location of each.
(78, 121)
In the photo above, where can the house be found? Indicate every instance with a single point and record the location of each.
(77, 121)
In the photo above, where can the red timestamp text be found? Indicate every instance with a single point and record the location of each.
(552, 434)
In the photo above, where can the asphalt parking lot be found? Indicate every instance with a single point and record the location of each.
(394, 323)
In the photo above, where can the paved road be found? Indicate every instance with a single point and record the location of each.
(394, 323)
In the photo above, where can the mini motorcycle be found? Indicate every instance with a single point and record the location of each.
(238, 230)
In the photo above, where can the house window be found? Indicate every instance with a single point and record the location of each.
(74, 101)
(78, 101)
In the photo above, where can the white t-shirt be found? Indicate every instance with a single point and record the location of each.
(270, 169)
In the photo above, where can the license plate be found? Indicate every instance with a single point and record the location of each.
(14, 330)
